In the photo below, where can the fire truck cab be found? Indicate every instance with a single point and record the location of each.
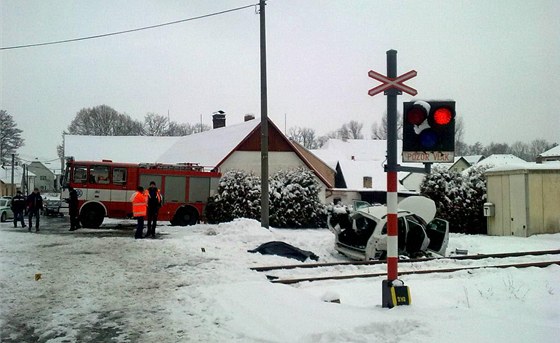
(104, 189)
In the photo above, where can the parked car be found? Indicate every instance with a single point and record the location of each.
(5, 210)
(361, 231)
(51, 205)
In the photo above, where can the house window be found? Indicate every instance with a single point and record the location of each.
(43, 177)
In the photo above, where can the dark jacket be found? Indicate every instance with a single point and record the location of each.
(35, 202)
(18, 203)
(154, 197)
(73, 200)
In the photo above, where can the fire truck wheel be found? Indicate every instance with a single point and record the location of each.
(185, 216)
(91, 216)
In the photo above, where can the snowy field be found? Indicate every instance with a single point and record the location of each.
(194, 285)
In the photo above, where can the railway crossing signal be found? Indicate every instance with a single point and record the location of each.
(429, 131)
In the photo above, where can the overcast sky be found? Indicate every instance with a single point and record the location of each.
(499, 60)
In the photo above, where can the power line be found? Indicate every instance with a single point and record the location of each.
(127, 31)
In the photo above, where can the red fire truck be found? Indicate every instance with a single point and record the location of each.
(104, 189)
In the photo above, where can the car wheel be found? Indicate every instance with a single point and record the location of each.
(4, 217)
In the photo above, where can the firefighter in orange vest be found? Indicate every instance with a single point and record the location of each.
(139, 208)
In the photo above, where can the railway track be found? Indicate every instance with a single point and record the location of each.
(292, 280)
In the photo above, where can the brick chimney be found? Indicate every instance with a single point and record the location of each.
(249, 117)
(218, 119)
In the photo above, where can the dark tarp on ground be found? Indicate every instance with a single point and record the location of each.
(285, 250)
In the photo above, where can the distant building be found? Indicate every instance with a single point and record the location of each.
(20, 181)
(44, 177)
(549, 155)
(360, 173)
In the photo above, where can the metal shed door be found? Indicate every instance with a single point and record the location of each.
(518, 204)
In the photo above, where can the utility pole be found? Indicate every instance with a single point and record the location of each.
(264, 121)
(13, 185)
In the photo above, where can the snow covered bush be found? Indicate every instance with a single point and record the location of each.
(459, 198)
(238, 196)
(294, 200)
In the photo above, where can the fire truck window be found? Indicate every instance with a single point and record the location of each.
(80, 173)
(175, 188)
(99, 174)
(119, 176)
(199, 189)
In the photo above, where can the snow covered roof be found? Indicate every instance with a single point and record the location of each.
(207, 148)
(355, 171)
(6, 174)
(527, 166)
(126, 149)
(473, 159)
(360, 157)
(353, 149)
(552, 152)
(499, 160)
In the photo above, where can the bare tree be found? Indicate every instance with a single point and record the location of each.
(537, 147)
(176, 129)
(155, 125)
(10, 137)
(521, 150)
(304, 136)
(104, 121)
(353, 130)
(379, 131)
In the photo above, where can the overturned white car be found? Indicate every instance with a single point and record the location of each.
(361, 232)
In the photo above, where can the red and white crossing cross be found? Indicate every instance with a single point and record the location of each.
(390, 82)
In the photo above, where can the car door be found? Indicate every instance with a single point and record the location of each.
(438, 232)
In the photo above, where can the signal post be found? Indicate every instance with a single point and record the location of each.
(428, 135)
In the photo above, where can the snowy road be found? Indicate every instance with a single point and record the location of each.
(96, 286)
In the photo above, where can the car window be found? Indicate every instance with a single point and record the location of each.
(3, 203)
(401, 226)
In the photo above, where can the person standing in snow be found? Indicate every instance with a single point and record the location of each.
(18, 206)
(73, 209)
(154, 203)
(34, 206)
(139, 207)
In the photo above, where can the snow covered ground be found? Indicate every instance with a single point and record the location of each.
(194, 285)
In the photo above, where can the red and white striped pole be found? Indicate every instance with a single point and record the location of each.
(392, 231)
(391, 169)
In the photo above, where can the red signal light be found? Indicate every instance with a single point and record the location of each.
(416, 115)
(443, 116)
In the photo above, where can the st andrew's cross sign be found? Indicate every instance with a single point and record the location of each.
(389, 82)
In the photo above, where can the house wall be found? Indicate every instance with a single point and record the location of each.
(347, 197)
(526, 202)
(44, 177)
(250, 161)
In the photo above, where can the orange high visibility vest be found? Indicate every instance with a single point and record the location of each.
(158, 195)
(139, 204)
